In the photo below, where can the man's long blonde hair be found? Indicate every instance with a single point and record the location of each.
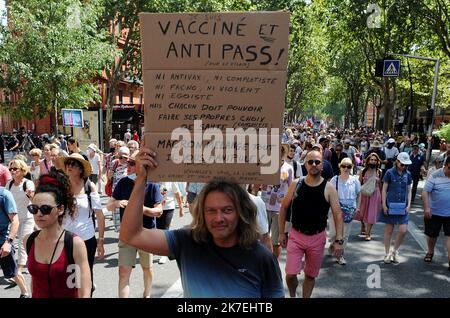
(245, 208)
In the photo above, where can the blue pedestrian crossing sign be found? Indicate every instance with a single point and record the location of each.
(391, 68)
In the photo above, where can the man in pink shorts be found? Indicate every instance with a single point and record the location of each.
(309, 200)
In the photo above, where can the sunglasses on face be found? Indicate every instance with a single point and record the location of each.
(403, 165)
(14, 169)
(122, 157)
(72, 163)
(45, 209)
(316, 162)
(131, 164)
(348, 167)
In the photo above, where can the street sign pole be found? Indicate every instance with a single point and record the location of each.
(433, 101)
(433, 97)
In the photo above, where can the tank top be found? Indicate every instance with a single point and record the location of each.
(310, 209)
(58, 277)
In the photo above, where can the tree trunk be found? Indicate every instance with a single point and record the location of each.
(109, 113)
(55, 105)
(387, 106)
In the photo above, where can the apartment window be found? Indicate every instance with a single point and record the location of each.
(141, 99)
(119, 26)
(131, 98)
(120, 96)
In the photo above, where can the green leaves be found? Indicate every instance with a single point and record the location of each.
(46, 61)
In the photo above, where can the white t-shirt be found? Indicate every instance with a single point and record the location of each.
(391, 153)
(298, 152)
(82, 225)
(22, 201)
(36, 172)
(127, 136)
(94, 163)
(347, 190)
(276, 193)
(261, 216)
(169, 198)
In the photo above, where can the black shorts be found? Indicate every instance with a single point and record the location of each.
(191, 197)
(433, 225)
(9, 265)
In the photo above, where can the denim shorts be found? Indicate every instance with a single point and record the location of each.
(9, 265)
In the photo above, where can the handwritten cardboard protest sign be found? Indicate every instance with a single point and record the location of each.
(214, 89)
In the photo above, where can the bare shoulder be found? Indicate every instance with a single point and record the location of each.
(78, 243)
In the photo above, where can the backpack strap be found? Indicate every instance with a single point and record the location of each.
(87, 190)
(46, 166)
(295, 169)
(68, 246)
(31, 239)
(10, 184)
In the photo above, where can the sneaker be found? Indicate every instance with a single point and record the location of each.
(11, 281)
(163, 260)
(395, 258)
(24, 296)
(388, 258)
(341, 260)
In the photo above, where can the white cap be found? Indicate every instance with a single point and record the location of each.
(403, 157)
(391, 141)
(93, 147)
(124, 150)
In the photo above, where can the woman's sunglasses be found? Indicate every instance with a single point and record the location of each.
(72, 163)
(14, 169)
(348, 167)
(45, 209)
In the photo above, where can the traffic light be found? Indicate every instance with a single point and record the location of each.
(379, 68)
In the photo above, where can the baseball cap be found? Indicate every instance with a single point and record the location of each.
(347, 141)
(93, 147)
(403, 157)
(391, 141)
(124, 150)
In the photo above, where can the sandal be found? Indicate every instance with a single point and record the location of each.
(367, 238)
(428, 257)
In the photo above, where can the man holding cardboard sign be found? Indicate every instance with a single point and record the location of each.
(219, 255)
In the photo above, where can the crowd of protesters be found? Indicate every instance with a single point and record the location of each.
(328, 178)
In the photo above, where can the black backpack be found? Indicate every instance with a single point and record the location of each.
(68, 244)
(24, 185)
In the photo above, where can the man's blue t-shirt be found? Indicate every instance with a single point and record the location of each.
(209, 271)
(7, 206)
(417, 162)
(396, 191)
(438, 186)
(153, 196)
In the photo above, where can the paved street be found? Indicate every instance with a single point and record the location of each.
(411, 278)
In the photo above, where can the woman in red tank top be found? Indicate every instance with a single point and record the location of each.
(54, 272)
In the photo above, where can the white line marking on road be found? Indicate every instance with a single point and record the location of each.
(420, 238)
(174, 291)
